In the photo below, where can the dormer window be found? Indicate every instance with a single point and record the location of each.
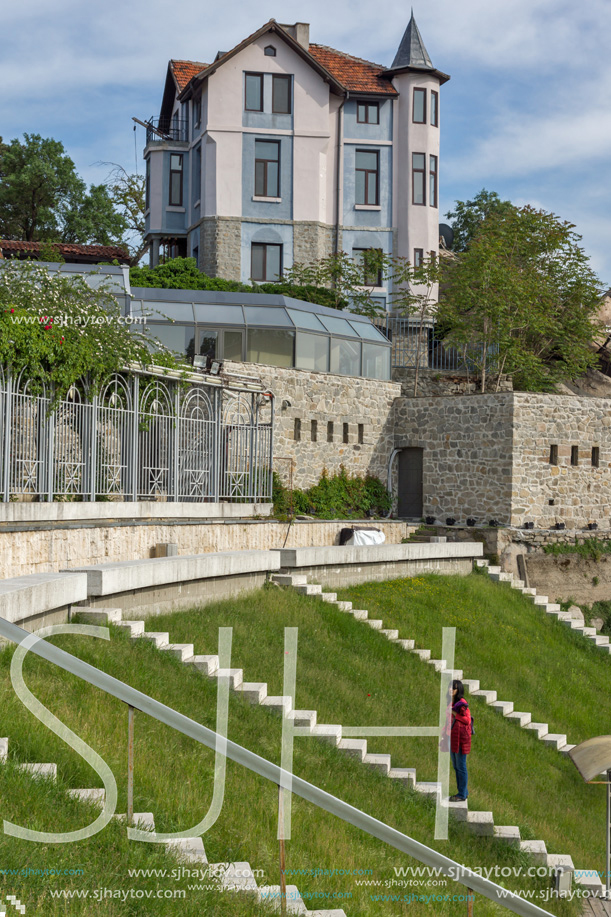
(270, 51)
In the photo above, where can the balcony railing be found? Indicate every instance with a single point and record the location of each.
(413, 346)
(165, 129)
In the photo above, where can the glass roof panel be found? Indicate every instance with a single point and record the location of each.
(370, 332)
(177, 311)
(267, 315)
(218, 315)
(338, 326)
(306, 320)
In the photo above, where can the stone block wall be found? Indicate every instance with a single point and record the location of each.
(467, 460)
(437, 383)
(312, 241)
(221, 247)
(330, 421)
(581, 492)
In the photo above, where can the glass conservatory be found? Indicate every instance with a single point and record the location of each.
(270, 329)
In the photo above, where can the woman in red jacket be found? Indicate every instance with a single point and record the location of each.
(460, 739)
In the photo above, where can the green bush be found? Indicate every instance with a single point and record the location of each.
(340, 496)
(183, 274)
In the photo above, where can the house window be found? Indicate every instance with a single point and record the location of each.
(418, 257)
(314, 431)
(346, 434)
(574, 455)
(368, 113)
(433, 181)
(367, 177)
(175, 180)
(434, 108)
(361, 433)
(418, 173)
(265, 261)
(270, 51)
(553, 455)
(371, 259)
(281, 95)
(595, 456)
(297, 430)
(267, 168)
(419, 107)
(253, 92)
(329, 431)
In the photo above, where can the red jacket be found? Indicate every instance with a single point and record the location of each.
(460, 734)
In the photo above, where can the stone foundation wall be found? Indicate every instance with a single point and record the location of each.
(220, 253)
(312, 241)
(360, 412)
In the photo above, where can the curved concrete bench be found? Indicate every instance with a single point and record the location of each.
(43, 598)
(169, 583)
(348, 565)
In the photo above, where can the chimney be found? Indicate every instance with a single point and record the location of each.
(300, 31)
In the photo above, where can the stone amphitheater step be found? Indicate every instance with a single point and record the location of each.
(376, 624)
(342, 606)
(540, 600)
(237, 877)
(159, 639)
(182, 651)
(493, 569)
(554, 740)
(480, 823)
(438, 664)
(330, 597)
(501, 577)
(41, 771)
(391, 635)
(289, 579)
(528, 590)
(536, 849)
(360, 614)
(480, 562)
(93, 615)
(309, 589)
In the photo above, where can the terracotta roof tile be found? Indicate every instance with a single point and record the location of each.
(354, 73)
(185, 70)
(68, 250)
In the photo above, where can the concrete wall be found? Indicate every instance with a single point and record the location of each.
(328, 398)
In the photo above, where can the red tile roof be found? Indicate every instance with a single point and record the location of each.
(185, 70)
(355, 74)
(89, 254)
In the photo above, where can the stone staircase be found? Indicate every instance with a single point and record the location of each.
(481, 823)
(236, 877)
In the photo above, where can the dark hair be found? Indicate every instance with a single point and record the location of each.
(460, 690)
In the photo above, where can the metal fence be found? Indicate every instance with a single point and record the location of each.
(424, 346)
(136, 438)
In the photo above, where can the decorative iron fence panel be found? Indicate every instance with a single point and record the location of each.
(137, 438)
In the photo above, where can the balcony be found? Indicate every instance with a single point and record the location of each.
(163, 130)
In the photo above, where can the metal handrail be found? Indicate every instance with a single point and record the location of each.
(170, 717)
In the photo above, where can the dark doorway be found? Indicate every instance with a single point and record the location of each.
(410, 482)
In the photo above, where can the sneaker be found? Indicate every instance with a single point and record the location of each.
(457, 798)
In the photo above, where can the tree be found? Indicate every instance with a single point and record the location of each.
(468, 216)
(414, 294)
(43, 198)
(522, 300)
(58, 329)
(128, 194)
(350, 280)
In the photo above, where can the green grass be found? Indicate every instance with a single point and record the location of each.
(350, 675)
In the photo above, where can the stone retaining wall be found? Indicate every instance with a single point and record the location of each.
(353, 422)
(48, 548)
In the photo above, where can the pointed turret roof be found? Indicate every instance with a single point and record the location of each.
(412, 54)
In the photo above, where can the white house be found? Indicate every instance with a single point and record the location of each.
(283, 151)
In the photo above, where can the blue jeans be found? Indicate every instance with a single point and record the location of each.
(459, 763)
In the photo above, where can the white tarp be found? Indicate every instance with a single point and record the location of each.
(367, 536)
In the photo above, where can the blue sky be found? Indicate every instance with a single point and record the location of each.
(526, 113)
